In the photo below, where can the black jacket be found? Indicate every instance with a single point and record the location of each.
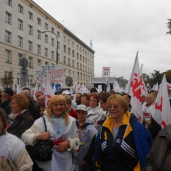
(34, 110)
(6, 106)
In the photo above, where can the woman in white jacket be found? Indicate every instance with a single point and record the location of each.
(12, 148)
(61, 129)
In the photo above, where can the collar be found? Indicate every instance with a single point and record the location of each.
(53, 116)
(148, 104)
(109, 122)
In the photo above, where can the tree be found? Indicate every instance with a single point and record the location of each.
(169, 26)
(168, 75)
(156, 77)
(7, 80)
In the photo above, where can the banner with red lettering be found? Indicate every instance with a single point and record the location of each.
(49, 93)
(162, 112)
(143, 86)
(134, 90)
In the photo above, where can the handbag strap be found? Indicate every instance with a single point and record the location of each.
(45, 124)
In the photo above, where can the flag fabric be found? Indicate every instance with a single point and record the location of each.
(108, 85)
(18, 89)
(143, 87)
(79, 88)
(168, 85)
(117, 88)
(44, 89)
(35, 91)
(49, 93)
(156, 87)
(13, 86)
(54, 88)
(134, 90)
(162, 112)
(99, 88)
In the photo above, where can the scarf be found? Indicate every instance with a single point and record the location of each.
(13, 116)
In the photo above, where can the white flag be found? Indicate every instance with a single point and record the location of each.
(134, 90)
(162, 113)
(143, 87)
(108, 85)
(99, 88)
(18, 89)
(49, 93)
(35, 91)
(156, 87)
(79, 88)
(13, 86)
(44, 89)
(54, 88)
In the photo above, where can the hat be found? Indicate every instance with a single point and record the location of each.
(81, 107)
(66, 92)
(9, 91)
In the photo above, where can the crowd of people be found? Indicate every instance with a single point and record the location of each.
(88, 132)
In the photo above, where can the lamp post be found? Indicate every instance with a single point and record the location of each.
(43, 31)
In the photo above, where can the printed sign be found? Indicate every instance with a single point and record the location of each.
(54, 73)
(106, 72)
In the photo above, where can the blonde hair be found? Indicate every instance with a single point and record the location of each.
(57, 99)
(122, 102)
(154, 96)
(68, 99)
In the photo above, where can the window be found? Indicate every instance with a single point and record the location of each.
(20, 41)
(8, 36)
(90, 55)
(39, 21)
(68, 61)
(80, 66)
(73, 44)
(73, 73)
(38, 49)
(88, 61)
(39, 62)
(30, 62)
(46, 52)
(77, 56)
(52, 41)
(39, 34)
(72, 63)
(58, 34)
(72, 53)
(81, 76)
(19, 57)
(58, 45)
(78, 75)
(30, 30)
(46, 63)
(83, 51)
(69, 41)
(46, 26)
(83, 58)
(64, 38)
(52, 54)
(30, 45)
(9, 2)
(30, 79)
(64, 60)
(46, 38)
(8, 56)
(77, 65)
(80, 58)
(77, 47)
(20, 24)
(69, 72)
(20, 9)
(64, 48)
(80, 49)
(65, 71)
(83, 67)
(52, 29)
(8, 18)
(68, 51)
(18, 78)
(30, 15)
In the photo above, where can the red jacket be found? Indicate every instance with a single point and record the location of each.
(73, 113)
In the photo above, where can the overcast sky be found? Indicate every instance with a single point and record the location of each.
(118, 28)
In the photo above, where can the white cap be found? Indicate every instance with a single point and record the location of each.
(81, 107)
(65, 92)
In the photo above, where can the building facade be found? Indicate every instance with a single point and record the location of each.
(21, 25)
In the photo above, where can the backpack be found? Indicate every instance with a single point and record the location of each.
(7, 165)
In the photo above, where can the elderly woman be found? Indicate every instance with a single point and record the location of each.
(123, 142)
(12, 148)
(20, 119)
(95, 113)
(61, 129)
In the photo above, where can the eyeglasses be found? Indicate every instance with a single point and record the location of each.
(114, 106)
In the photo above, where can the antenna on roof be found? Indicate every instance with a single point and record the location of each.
(91, 43)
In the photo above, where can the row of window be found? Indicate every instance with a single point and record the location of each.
(8, 59)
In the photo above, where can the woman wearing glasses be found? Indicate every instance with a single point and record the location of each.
(123, 142)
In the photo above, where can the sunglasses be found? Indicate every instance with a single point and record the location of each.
(114, 106)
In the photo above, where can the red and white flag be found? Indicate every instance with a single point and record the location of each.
(143, 87)
(49, 93)
(35, 91)
(168, 85)
(134, 90)
(156, 87)
(79, 88)
(44, 89)
(162, 112)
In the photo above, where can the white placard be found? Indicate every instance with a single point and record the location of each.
(106, 72)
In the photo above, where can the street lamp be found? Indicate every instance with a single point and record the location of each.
(43, 31)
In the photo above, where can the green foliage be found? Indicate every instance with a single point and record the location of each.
(7, 81)
(169, 26)
(168, 75)
(155, 77)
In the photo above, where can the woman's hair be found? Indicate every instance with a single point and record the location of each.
(68, 98)
(154, 96)
(111, 92)
(3, 117)
(21, 100)
(94, 95)
(104, 96)
(57, 99)
(86, 96)
(121, 101)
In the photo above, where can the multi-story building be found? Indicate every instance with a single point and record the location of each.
(21, 25)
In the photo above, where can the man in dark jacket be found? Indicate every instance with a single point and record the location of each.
(159, 157)
(6, 98)
(33, 107)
